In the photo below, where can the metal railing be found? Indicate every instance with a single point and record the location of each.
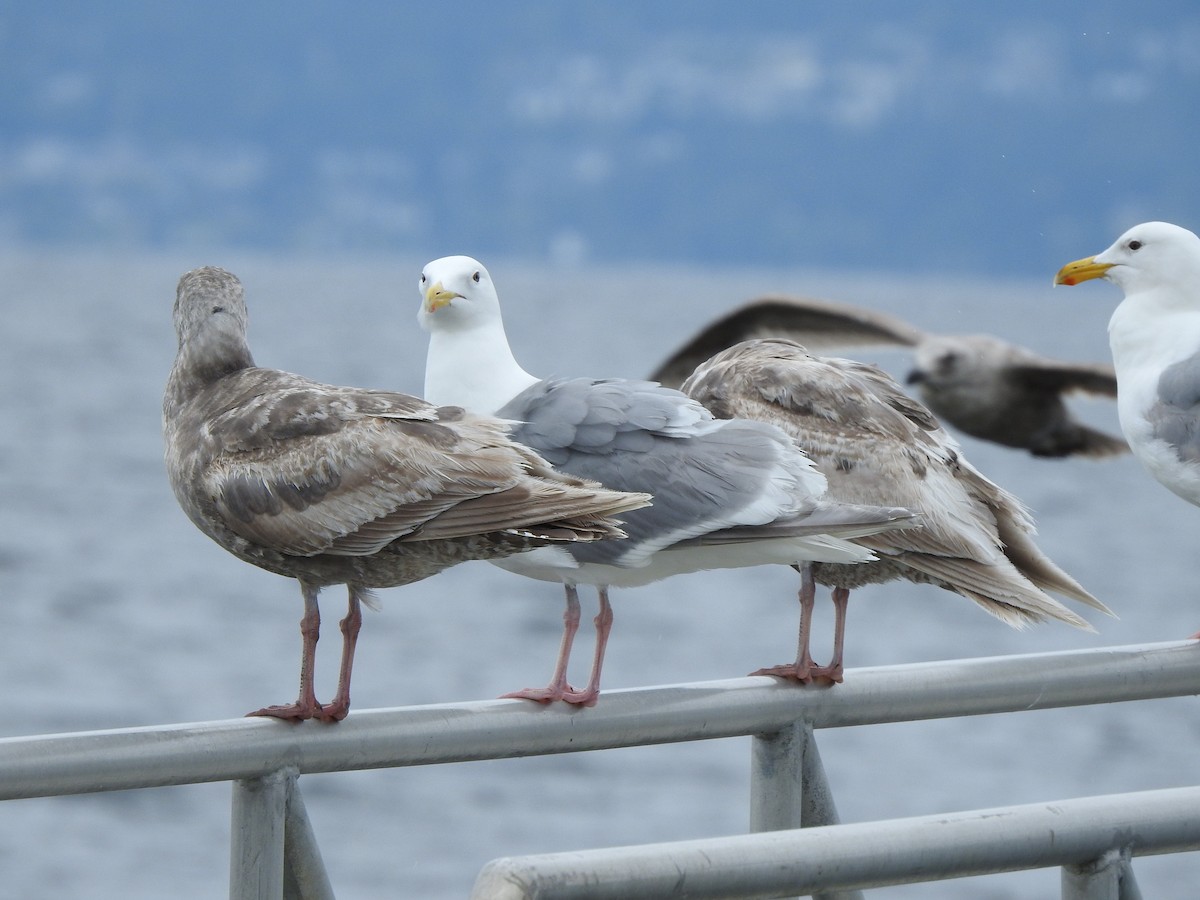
(1092, 838)
(274, 853)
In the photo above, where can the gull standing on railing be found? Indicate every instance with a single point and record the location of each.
(726, 493)
(339, 485)
(877, 445)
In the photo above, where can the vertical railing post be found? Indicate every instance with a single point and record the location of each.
(304, 876)
(777, 779)
(1109, 877)
(788, 787)
(1129, 886)
(257, 836)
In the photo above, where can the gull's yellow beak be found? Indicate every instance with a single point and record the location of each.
(1081, 270)
(437, 296)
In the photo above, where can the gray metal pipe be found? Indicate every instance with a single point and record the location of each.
(789, 788)
(249, 748)
(1096, 879)
(257, 836)
(304, 872)
(777, 787)
(858, 856)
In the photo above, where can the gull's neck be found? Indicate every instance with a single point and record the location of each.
(471, 365)
(1155, 327)
(218, 348)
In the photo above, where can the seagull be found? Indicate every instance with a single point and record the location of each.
(876, 445)
(1155, 338)
(978, 383)
(726, 493)
(340, 485)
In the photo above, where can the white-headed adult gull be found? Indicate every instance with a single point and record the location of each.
(977, 383)
(1155, 338)
(726, 493)
(338, 485)
(877, 445)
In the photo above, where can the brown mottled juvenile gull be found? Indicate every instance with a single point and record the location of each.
(338, 485)
(979, 384)
(726, 494)
(877, 445)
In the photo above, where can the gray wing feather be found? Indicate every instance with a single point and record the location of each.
(1052, 374)
(1175, 418)
(695, 472)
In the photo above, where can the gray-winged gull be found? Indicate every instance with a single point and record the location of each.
(726, 493)
(877, 445)
(1155, 338)
(338, 485)
(979, 384)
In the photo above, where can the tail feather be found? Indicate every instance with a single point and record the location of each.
(1002, 591)
(1038, 568)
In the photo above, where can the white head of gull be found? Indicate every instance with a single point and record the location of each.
(877, 445)
(726, 493)
(1155, 338)
(338, 485)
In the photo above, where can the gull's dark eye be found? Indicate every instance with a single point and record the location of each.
(422, 278)
(218, 309)
(1135, 245)
(475, 278)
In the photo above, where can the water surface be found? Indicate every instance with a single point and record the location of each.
(115, 611)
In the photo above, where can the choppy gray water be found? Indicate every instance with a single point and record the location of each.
(115, 611)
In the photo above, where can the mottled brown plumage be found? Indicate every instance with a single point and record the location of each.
(877, 445)
(337, 485)
(977, 383)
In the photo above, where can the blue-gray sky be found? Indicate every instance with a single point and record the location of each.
(926, 137)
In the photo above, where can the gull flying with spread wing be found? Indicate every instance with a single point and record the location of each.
(339, 485)
(726, 493)
(876, 445)
(979, 384)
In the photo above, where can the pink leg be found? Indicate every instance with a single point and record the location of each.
(558, 686)
(604, 620)
(306, 705)
(832, 673)
(801, 669)
(351, 625)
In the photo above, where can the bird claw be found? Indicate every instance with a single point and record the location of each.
(300, 711)
(553, 692)
(332, 712)
(581, 698)
(825, 675)
(291, 712)
(541, 695)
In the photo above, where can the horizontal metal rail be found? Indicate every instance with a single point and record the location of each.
(864, 855)
(239, 749)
